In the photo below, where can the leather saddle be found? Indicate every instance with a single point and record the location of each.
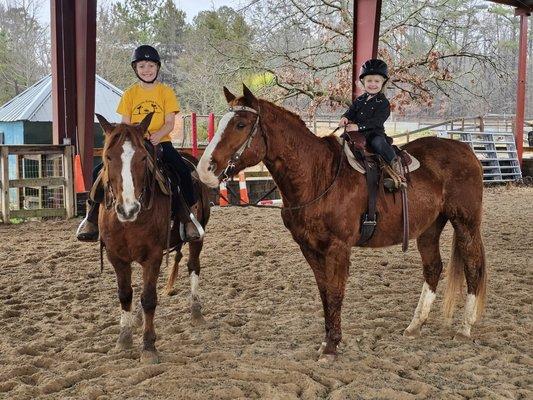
(363, 160)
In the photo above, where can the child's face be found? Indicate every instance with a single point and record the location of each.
(146, 70)
(373, 83)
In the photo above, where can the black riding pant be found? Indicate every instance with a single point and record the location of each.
(172, 157)
(379, 144)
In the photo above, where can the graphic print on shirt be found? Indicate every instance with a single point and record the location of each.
(146, 107)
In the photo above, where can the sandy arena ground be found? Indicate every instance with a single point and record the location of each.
(59, 319)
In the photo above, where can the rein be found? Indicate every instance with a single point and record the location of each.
(292, 208)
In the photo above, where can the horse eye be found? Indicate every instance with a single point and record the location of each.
(240, 125)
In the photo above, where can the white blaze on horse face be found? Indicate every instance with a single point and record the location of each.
(129, 202)
(206, 175)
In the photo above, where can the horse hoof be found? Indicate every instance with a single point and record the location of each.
(413, 333)
(197, 320)
(462, 337)
(321, 348)
(327, 358)
(125, 341)
(124, 344)
(149, 357)
(171, 291)
(139, 319)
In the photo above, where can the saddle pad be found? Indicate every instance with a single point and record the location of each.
(415, 164)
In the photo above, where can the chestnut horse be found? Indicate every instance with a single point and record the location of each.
(134, 227)
(326, 223)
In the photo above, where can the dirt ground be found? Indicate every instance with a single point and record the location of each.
(59, 319)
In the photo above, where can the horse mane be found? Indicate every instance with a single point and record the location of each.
(293, 118)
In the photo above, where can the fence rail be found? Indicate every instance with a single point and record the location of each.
(36, 181)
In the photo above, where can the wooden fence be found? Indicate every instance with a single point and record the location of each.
(38, 183)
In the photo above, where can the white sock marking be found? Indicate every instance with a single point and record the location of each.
(194, 284)
(126, 319)
(424, 306)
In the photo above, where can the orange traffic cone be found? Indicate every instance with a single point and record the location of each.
(242, 188)
(222, 200)
(79, 183)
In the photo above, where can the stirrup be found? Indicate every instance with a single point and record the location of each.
(198, 227)
(395, 180)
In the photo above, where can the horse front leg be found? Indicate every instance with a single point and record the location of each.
(331, 272)
(336, 265)
(125, 295)
(149, 303)
(193, 266)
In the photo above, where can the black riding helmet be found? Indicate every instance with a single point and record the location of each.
(374, 67)
(145, 53)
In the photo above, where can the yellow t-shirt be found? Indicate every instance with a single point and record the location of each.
(137, 101)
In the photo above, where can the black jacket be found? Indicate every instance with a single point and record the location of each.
(369, 115)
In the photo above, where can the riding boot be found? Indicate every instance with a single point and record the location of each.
(396, 178)
(190, 228)
(88, 229)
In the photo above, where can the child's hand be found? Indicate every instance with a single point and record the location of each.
(344, 121)
(155, 138)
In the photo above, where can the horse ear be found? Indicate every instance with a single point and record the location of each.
(229, 96)
(248, 95)
(145, 123)
(106, 126)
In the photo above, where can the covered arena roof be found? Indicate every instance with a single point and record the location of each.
(35, 103)
(522, 4)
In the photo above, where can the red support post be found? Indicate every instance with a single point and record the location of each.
(521, 84)
(194, 135)
(366, 19)
(211, 127)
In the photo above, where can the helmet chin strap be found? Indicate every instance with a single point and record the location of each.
(152, 81)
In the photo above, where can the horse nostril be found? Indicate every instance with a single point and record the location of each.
(212, 167)
(136, 208)
(120, 209)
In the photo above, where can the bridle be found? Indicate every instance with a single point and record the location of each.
(226, 173)
(110, 199)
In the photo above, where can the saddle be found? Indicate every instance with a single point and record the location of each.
(370, 164)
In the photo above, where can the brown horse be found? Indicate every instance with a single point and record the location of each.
(133, 225)
(326, 224)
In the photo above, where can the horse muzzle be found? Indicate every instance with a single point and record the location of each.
(206, 173)
(127, 212)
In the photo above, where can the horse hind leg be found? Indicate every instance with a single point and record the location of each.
(468, 258)
(428, 246)
(169, 288)
(193, 265)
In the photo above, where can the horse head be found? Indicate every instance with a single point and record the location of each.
(125, 166)
(238, 141)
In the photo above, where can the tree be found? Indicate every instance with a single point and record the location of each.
(437, 51)
(24, 48)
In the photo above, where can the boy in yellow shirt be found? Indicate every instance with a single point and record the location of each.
(144, 97)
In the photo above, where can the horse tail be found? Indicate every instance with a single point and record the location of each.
(454, 274)
(481, 292)
(455, 277)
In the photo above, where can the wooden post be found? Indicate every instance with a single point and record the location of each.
(4, 196)
(68, 188)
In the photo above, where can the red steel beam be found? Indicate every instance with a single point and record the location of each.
(521, 84)
(85, 19)
(63, 74)
(366, 19)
